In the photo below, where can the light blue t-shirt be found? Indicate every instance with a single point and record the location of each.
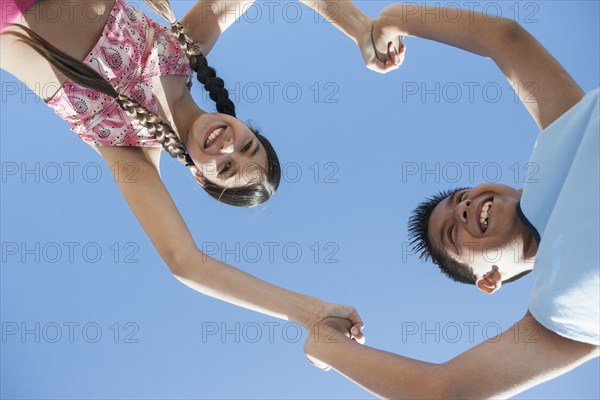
(562, 204)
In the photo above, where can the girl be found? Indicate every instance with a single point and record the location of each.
(129, 98)
(98, 119)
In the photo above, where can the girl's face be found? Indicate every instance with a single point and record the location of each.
(226, 151)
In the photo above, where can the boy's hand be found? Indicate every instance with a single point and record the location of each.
(326, 331)
(388, 46)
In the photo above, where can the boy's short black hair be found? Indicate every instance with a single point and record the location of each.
(418, 235)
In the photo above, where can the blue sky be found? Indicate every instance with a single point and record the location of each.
(105, 317)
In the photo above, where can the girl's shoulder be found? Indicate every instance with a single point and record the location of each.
(58, 23)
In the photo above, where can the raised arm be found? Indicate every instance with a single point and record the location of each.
(343, 14)
(525, 355)
(347, 18)
(543, 85)
(207, 19)
(154, 208)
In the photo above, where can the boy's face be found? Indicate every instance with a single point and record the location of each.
(480, 227)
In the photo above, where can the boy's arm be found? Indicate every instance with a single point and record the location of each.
(544, 86)
(523, 356)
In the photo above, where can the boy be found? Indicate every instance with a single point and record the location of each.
(550, 227)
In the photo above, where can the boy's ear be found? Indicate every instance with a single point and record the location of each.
(491, 281)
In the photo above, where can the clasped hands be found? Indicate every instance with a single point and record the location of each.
(329, 323)
(328, 332)
(382, 49)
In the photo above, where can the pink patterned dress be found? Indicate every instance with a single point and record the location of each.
(126, 58)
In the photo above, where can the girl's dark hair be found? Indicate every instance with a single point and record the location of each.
(244, 196)
(85, 76)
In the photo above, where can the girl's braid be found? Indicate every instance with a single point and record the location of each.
(85, 76)
(205, 73)
(162, 131)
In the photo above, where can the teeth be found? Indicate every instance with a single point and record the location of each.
(483, 218)
(213, 136)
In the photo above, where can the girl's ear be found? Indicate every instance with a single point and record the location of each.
(199, 177)
(491, 281)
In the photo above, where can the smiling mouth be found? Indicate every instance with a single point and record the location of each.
(213, 136)
(484, 215)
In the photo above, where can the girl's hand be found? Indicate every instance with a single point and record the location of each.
(382, 51)
(327, 310)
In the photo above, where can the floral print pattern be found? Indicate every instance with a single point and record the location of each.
(125, 57)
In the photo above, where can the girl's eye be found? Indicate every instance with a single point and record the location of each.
(226, 168)
(247, 147)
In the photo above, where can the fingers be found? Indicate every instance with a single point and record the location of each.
(357, 335)
(356, 319)
(401, 54)
(357, 326)
(396, 55)
(345, 320)
(392, 52)
(393, 59)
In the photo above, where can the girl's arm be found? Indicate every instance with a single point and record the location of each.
(544, 86)
(207, 19)
(343, 14)
(154, 208)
